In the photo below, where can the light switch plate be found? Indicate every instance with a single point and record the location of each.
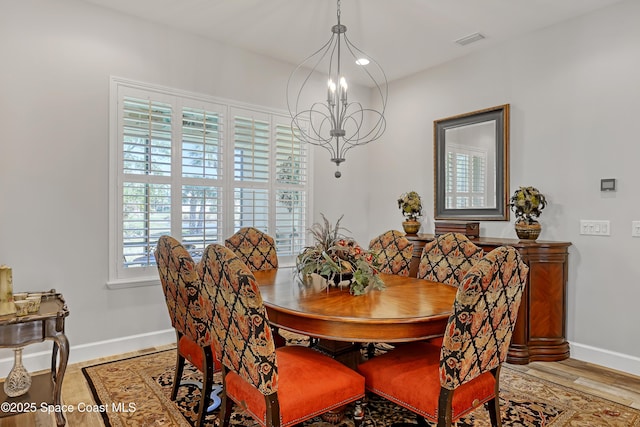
(590, 227)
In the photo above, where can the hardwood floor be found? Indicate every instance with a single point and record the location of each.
(597, 380)
(607, 383)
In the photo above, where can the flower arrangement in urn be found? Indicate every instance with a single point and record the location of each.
(339, 259)
(527, 203)
(410, 204)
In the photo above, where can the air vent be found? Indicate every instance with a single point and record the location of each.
(471, 38)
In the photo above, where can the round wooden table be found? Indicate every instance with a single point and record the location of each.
(408, 309)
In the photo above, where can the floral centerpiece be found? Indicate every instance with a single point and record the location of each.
(527, 203)
(410, 204)
(339, 258)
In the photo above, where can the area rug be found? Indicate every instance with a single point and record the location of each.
(136, 392)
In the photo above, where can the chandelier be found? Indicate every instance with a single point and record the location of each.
(337, 123)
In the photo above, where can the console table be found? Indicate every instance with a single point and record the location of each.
(541, 329)
(47, 323)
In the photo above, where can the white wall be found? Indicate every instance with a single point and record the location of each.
(575, 99)
(573, 93)
(56, 62)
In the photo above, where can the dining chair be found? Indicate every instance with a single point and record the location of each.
(443, 384)
(254, 247)
(258, 250)
(276, 386)
(191, 316)
(393, 252)
(447, 258)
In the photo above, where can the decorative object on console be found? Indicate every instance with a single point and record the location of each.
(337, 124)
(6, 291)
(469, 229)
(18, 382)
(527, 203)
(338, 258)
(410, 204)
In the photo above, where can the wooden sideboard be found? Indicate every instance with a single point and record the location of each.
(541, 329)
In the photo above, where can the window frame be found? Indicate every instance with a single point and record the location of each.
(121, 277)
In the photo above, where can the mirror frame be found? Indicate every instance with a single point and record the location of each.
(501, 212)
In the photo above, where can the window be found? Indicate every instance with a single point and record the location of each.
(199, 169)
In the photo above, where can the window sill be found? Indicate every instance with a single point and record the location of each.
(132, 283)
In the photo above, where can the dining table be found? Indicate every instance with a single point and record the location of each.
(406, 309)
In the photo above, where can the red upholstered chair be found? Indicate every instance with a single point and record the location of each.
(443, 384)
(277, 387)
(393, 251)
(254, 248)
(191, 315)
(447, 258)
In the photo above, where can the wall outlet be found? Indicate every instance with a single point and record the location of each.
(635, 228)
(590, 227)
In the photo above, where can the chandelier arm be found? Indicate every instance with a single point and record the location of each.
(320, 142)
(326, 48)
(383, 96)
(308, 136)
(375, 131)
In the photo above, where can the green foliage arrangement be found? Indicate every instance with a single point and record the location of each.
(527, 203)
(410, 204)
(334, 255)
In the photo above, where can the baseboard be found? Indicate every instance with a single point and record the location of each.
(609, 359)
(41, 360)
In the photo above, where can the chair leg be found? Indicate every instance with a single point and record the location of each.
(272, 418)
(422, 422)
(358, 413)
(444, 407)
(207, 384)
(177, 377)
(278, 339)
(493, 406)
(227, 404)
(371, 350)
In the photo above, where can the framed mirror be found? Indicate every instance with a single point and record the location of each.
(471, 162)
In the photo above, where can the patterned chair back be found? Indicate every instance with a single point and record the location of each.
(485, 310)
(447, 258)
(181, 278)
(241, 332)
(393, 251)
(254, 248)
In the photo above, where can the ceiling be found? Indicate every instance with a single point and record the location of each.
(404, 36)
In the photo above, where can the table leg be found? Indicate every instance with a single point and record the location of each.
(347, 353)
(60, 343)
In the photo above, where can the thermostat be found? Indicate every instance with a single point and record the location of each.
(608, 184)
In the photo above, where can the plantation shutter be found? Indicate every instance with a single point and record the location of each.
(202, 168)
(291, 172)
(251, 146)
(198, 169)
(146, 186)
